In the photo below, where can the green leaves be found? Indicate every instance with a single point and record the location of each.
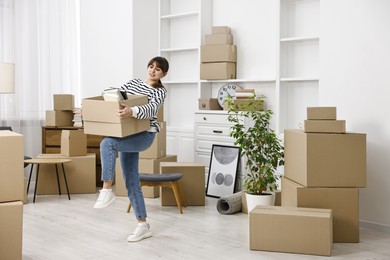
(259, 144)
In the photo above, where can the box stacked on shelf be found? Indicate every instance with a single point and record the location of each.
(324, 169)
(218, 55)
(245, 100)
(11, 194)
(62, 115)
(149, 161)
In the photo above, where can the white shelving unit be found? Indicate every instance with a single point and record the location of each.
(298, 72)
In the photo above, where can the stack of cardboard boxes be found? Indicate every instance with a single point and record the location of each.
(11, 194)
(80, 172)
(62, 115)
(324, 168)
(218, 55)
(149, 161)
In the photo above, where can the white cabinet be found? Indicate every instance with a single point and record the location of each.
(298, 72)
(212, 127)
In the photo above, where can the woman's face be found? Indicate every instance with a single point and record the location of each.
(155, 73)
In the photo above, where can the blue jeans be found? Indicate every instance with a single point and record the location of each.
(128, 148)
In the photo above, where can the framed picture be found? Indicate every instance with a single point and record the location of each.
(223, 169)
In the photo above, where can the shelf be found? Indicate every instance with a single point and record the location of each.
(238, 80)
(299, 79)
(180, 15)
(180, 82)
(300, 39)
(180, 49)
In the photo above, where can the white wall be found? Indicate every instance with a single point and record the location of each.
(355, 77)
(106, 44)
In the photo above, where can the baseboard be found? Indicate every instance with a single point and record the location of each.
(375, 226)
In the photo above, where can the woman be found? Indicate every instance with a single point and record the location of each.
(130, 146)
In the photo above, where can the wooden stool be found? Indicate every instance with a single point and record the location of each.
(169, 180)
(55, 161)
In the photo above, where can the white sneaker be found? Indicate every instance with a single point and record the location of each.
(142, 231)
(106, 197)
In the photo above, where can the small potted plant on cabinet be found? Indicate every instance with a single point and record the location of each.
(262, 149)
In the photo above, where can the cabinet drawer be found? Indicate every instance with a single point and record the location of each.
(206, 145)
(212, 119)
(213, 130)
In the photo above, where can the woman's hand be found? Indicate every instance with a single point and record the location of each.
(125, 111)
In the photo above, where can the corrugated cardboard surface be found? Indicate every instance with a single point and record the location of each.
(158, 148)
(192, 183)
(59, 118)
(11, 165)
(324, 126)
(73, 143)
(218, 53)
(321, 113)
(151, 166)
(291, 230)
(80, 175)
(63, 102)
(209, 104)
(219, 38)
(246, 104)
(218, 70)
(344, 203)
(325, 160)
(11, 226)
(220, 29)
(130, 127)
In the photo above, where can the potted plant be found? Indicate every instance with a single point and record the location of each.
(262, 149)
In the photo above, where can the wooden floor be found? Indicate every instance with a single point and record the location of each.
(56, 228)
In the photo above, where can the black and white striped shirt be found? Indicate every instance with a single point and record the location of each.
(156, 98)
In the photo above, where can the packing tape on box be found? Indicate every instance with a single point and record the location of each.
(230, 204)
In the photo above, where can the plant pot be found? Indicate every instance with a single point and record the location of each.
(267, 199)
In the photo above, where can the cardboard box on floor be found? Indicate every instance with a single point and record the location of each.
(192, 183)
(291, 230)
(325, 160)
(218, 70)
(73, 143)
(11, 226)
(151, 166)
(100, 117)
(11, 161)
(80, 175)
(59, 118)
(158, 148)
(63, 102)
(344, 203)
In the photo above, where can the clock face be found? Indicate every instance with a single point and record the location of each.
(225, 91)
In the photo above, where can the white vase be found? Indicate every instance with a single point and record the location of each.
(267, 199)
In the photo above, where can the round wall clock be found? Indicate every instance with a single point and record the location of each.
(225, 91)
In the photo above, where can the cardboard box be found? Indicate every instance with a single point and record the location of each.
(321, 113)
(246, 104)
(325, 160)
(160, 114)
(209, 104)
(151, 166)
(63, 102)
(59, 118)
(278, 201)
(192, 183)
(73, 143)
(25, 201)
(218, 53)
(324, 126)
(219, 38)
(11, 226)
(100, 117)
(220, 29)
(344, 203)
(291, 230)
(11, 165)
(158, 148)
(218, 70)
(80, 175)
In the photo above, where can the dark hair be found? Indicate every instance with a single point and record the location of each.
(161, 63)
